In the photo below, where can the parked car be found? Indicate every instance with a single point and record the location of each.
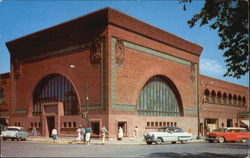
(14, 132)
(167, 134)
(222, 135)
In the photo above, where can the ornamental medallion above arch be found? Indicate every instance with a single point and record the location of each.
(95, 51)
(119, 53)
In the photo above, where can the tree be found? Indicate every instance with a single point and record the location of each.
(230, 19)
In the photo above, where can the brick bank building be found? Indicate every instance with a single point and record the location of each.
(120, 70)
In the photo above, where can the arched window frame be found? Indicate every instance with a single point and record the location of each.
(239, 100)
(56, 88)
(243, 101)
(235, 100)
(213, 96)
(225, 100)
(219, 97)
(151, 90)
(230, 98)
(206, 95)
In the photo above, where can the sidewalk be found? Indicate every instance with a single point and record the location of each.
(95, 141)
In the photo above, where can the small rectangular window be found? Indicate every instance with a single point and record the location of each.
(164, 124)
(156, 124)
(69, 123)
(19, 124)
(74, 124)
(31, 125)
(175, 124)
(148, 124)
(152, 124)
(64, 124)
(39, 124)
(35, 124)
(168, 124)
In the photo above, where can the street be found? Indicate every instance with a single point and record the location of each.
(194, 150)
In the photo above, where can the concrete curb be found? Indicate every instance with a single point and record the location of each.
(98, 143)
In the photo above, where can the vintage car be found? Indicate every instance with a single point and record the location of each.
(14, 132)
(167, 134)
(222, 135)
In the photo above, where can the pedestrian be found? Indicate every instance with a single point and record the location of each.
(104, 131)
(136, 132)
(54, 135)
(34, 132)
(79, 132)
(88, 134)
(120, 133)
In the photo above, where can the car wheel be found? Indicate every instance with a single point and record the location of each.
(149, 143)
(210, 141)
(221, 140)
(4, 139)
(173, 142)
(183, 141)
(17, 139)
(243, 140)
(12, 139)
(158, 141)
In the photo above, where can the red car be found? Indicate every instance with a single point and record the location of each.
(228, 134)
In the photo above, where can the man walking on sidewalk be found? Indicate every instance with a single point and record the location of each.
(104, 131)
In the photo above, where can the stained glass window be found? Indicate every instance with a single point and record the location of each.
(158, 99)
(55, 88)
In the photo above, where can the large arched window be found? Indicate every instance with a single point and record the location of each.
(55, 88)
(158, 98)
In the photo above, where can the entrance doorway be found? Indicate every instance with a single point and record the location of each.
(95, 126)
(123, 125)
(51, 124)
(229, 123)
(211, 124)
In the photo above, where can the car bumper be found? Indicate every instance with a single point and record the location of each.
(211, 139)
(9, 137)
(149, 139)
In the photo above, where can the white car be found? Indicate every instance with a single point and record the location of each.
(14, 132)
(167, 134)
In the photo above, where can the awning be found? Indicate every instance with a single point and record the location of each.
(246, 122)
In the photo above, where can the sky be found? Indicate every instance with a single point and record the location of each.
(22, 17)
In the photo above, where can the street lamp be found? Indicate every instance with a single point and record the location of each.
(201, 101)
(85, 114)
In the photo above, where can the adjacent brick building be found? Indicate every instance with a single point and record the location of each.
(122, 71)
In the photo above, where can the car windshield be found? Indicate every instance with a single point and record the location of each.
(220, 130)
(161, 130)
(13, 129)
(170, 129)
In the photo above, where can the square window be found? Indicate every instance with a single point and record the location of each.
(152, 124)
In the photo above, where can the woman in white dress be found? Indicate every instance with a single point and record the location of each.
(120, 133)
